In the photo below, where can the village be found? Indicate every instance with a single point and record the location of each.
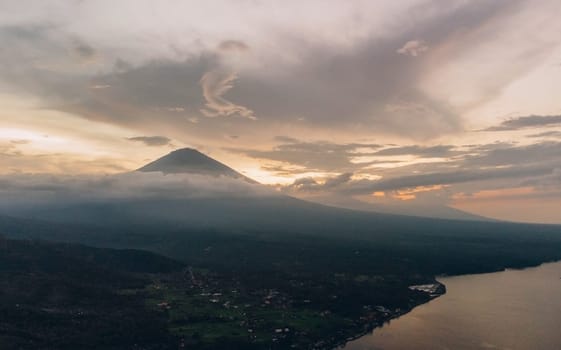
(203, 307)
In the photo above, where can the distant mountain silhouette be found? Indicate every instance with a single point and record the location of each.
(163, 223)
(410, 209)
(191, 161)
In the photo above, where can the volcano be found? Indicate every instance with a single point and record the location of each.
(191, 161)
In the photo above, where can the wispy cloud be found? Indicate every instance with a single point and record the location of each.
(312, 156)
(84, 52)
(475, 165)
(531, 121)
(233, 45)
(431, 151)
(546, 134)
(100, 86)
(31, 190)
(151, 140)
(413, 48)
(215, 84)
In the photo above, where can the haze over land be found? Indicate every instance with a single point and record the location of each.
(416, 107)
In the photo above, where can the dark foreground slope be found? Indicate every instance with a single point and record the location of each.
(60, 296)
(254, 226)
(240, 287)
(63, 296)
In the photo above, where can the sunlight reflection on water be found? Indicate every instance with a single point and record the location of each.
(510, 310)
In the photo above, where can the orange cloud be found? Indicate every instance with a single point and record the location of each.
(497, 194)
(410, 193)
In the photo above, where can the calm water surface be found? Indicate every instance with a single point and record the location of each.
(514, 309)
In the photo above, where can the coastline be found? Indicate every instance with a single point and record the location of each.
(342, 344)
(392, 316)
(475, 311)
(507, 268)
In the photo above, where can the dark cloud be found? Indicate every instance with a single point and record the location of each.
(319, 155)
(347, 186)
(338, 180)
(494, 162)
(160, 96)
(151, 140)
(552, 134)
(284, 170)
(121, 65)
(38, 64)
(448, 178)
(233, 45)
(372, 88)
(309, 184)
(551, 183)
(20, 142)
(369, 87)
(501, 155)
(333, 157)
(463, 164)
(40, 61)
(531, 121)
(83, 51)
(434, 151)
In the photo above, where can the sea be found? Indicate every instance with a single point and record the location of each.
(507, 310)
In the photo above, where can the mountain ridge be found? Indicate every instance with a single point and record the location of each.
(191, 161)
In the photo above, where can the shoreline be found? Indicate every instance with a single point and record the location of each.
(342, 344)
(517, 268)
(393, 316)
(531, 290)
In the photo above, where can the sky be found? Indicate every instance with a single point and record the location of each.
(416, 102)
